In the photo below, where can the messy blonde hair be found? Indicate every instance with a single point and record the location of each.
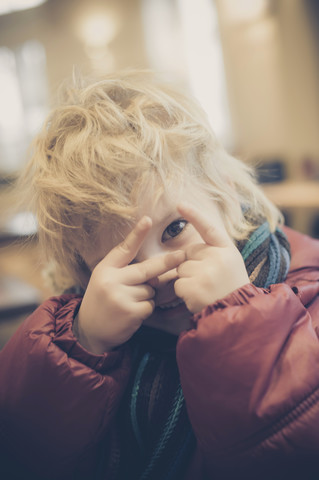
(112, 139)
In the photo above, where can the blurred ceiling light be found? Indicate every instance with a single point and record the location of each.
(9, 6)
(163, 35)
(97, 29)
(200, 33)
(11, 108)
(245, 10)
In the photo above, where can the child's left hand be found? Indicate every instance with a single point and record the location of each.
(212, 269)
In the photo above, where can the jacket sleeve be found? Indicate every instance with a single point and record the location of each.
(57, 400)
(250, 376)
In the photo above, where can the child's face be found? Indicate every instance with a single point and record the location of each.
(169, 232)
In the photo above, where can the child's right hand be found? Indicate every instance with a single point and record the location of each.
(118, 297)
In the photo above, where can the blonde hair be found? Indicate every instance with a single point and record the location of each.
(109, 141)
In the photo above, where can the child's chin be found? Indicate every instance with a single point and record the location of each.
(172, 320)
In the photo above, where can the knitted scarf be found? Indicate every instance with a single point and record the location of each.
(155, 438)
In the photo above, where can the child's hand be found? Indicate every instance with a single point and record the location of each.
(212, 269)
(118, 299)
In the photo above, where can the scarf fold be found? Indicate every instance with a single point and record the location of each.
(156, 438)
(266, 256)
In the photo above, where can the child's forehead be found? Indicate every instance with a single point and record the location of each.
(155, 205)
(160, 203)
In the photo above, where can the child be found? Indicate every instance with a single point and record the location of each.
(188, 349)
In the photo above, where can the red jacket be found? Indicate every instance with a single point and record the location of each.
(249, 373)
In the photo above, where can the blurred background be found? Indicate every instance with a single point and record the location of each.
(252, 64)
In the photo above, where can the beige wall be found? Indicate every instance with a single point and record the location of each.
(272, 74)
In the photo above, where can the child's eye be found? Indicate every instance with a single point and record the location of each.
(174, 229)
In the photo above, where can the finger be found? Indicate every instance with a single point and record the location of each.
(197, 251)
(126, 251)
(140, 292)
(212, 234)
(184, 289)
(153, 267)
(154, 282)
(143, 310)
(188, 268)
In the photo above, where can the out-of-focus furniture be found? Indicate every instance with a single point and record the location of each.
(299, 199)
(293, 194)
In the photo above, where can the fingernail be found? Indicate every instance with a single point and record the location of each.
(145, 222)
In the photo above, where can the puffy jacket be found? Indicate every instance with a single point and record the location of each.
(249, 372)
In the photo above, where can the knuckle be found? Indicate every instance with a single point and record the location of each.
(210, 230)
(102, 282)
(207, 277)
(126, 310)
(143, 310)
(124, 247)
(179, 270)
(193, 250)
(149, 307)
